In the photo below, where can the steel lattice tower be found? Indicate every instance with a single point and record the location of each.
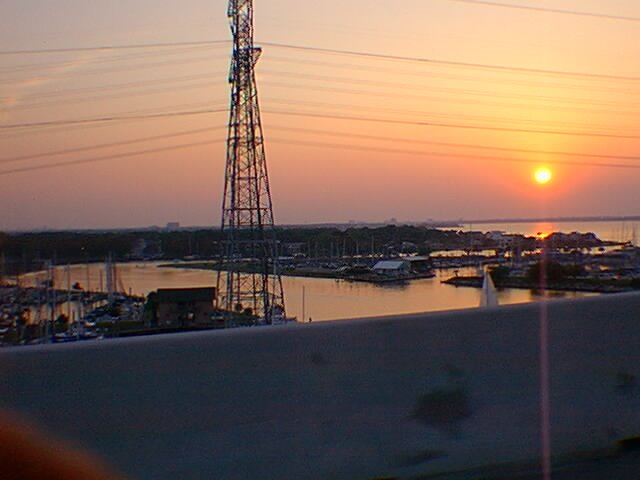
(247, 215)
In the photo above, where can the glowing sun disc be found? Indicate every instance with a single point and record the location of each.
(542, 175)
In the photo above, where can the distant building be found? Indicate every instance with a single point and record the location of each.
(172, 226)
(392, 268)
(182, 307)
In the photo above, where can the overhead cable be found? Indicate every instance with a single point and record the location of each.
(451, 125)
(109, 119)
(452, 144)
(449, 155)
(456, 99)
(127, 68)
(454, 116)
(112, 47)
(401, 58)
(106, 96)
(98, 59)
(338, 52)
(108, 157)
(550, 10)
(449, 76)
(547, 98)
(54, 153)
(117, 86)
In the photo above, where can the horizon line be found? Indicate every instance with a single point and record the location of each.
(349, 223)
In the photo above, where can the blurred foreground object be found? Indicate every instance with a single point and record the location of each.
(28, 453)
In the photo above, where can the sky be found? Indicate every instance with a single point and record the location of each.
(435, 134)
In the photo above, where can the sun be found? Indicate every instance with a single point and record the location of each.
(542, 175)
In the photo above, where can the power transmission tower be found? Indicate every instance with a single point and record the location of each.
(247, 215)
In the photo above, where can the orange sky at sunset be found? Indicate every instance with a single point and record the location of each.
(347, 136)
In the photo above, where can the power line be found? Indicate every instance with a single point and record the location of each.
(335, 52)
(502, 68)
(117, 86)
(95, 98)
(112, 47)
(319, 132)
(109, 119)
(22, 106)
(569, 100)
(128, 68)
(319, 115)
(386, 120)
(457, 91)
(315, 144)
(131, 116)
(324, 78)
(449, 76)
(463, 117)
(108, 157)
(313, 132)
(450, 125)
(456, 99)
(550, 10)
(456, 145)
(100, 59)
(36, 156)
(450, 155)
(431, 75)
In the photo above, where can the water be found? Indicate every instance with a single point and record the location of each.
(329, 299)
(324, 299)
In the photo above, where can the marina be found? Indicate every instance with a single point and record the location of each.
(413, 255)
(325, 299)
(92, 300)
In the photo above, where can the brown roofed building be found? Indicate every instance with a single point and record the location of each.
(183, 307)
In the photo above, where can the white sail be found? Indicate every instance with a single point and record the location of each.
(488, 298)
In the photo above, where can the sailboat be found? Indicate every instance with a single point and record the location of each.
(489, 297)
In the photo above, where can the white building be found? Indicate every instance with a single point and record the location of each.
(392, 268)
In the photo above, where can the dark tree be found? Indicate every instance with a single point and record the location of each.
(553, 272)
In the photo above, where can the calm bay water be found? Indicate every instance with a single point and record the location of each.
(324, 299)
(329, 299)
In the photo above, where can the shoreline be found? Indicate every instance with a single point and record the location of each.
(459, 281)
(313, 273)
(521, 283)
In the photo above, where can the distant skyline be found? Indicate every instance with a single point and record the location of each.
(347, 136)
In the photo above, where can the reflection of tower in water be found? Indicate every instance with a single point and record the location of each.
(110, 274)
(3, 266)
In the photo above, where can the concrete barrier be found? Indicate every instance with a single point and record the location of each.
(393, 397)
